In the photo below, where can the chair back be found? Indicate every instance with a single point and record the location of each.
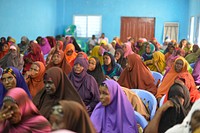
(158, 77)
(141, 120)
(162, 100)
(148, 99)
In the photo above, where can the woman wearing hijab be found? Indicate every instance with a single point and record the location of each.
(192, 57)
(33, 55)
(19, 114)
(179, 70)
(24, 45)
(57, 87)
(98, 51)
(59, 60)
(73, 41)
(12, 78)
(12, 58)
(149, 49)
(127, 49)
(119, 57)
(94, 69)
(173, 111)
(114, 113)
(72, 116)
(84, 83)
(70, 54)
(45, 46)
(34, 78)
(5, 50)
(187, 125)
(133, 75)
(2, 42)
(110, 68)
(196, 72)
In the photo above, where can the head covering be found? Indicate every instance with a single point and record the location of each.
(192, 57)
(185, 126)
(51, 40)
(83, 54)
(97, 73)
(134, 78)
(12, 58)
(76, 118)
(122, 61)
(175, 115)
(95, 53)
(118, 116)
(36, 84)
(31, 120)
(64, 65)
(85, 85)
(196, 72)
(45, 48)
(64, 91)
(149, 56)
(72, 57)
(24, 47)
(128, 49)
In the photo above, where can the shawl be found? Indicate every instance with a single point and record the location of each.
(95, 52)
(149, 56)
(45, 48)
(70, 59)
(196, 72)
(85, 85)
(64, 91)
(76, 118)
(191, 58)
(133, 77)
(118, 116)
(31, 120)
(36, 84)
(97, 73)
(24, 47)
(128, 49)
(64, 65)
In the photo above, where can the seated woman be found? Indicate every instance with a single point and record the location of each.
(59, 60)
(136, 102)
(94, 69)
(170, 51)
(45, 46)
(34, 78)
(119, 57)
(190, 123)
(149, 49)
(127, 49)
(98, 51)
(192, 57)
(157, 63)
(70, 54)
(179, 70)
(133, 75)
(196, 72)
(114, 113)
(34, 54)
(57, 87)
(12, 58)
(19, 114)
(12, 78)
(110, 68)
(5, 50)
(173, 111)
(72, 116)
(84, 83)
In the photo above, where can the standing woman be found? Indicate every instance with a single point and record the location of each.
(95, 70)
(19, 114)
(57, 87)
(34, 78)
(114, 113)
(110, 68)
(84, 83)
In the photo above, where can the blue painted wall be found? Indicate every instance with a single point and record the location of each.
(194, 8)
(28, 17)
(112, 10)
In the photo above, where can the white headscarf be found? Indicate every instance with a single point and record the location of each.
(184, 127)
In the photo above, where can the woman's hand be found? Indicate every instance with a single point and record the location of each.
(5, 113)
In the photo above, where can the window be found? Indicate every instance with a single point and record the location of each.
(191, 38)
(86, 26)
(171, 30)
(197, 38)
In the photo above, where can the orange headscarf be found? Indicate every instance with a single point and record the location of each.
(36, 84)
(72, 57)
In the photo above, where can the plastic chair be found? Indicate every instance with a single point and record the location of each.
(148, 99)
(157, 76)
(162, 100)
(71, 30)
(141, 120)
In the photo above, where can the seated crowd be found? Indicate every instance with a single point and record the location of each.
(51, 85)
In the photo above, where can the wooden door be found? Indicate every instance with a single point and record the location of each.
(137, 27)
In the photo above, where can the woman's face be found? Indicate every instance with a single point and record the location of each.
(148, 49)
(104, 95)
(78, 68)
(49, 86)
(106, 60)
(178, 65)
(69, 52)
(56, 118)
(43, 42)
(184, 43)
(171, 50)
(92, 64)
(16, 114)
(9, 81)
(117, 55)
(34, 70)
(56, 59)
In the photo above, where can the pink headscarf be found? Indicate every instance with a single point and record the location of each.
(31, 120)
(128, 50)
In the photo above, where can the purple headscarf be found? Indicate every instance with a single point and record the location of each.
(118, 116)
(46, 47)
(196, 72)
